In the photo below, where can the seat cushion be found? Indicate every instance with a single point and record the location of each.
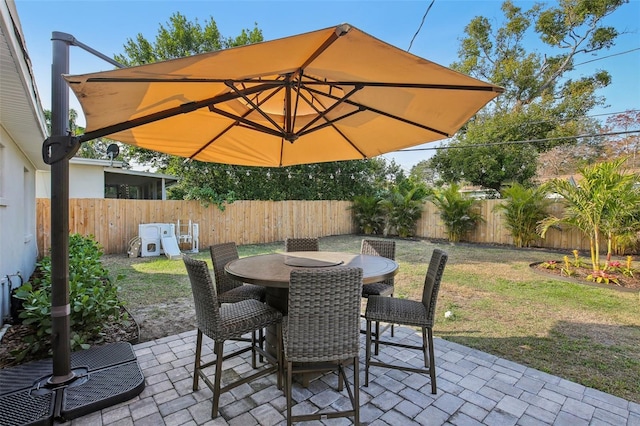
(397, 311)
(377, 289)
(243, 292)
(243, 317)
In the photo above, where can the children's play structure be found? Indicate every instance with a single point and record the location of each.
(155, 239)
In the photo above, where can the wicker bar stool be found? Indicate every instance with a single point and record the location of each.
(321, 331)
(384, 248)
(231, 291)
(301, 244)
(410, 313)
(228, 322)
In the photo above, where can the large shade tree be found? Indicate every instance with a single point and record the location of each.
(543, 99)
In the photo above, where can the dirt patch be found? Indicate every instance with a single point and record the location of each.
(165, 319)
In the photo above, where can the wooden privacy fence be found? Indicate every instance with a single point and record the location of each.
(493, 231)
(114, 222)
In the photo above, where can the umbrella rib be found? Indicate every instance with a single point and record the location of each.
(322, 114)
(249, 123)
(314, 82)
(235, 123)
(362, 107)
(339, 32)
(253, 105)
(170, 112)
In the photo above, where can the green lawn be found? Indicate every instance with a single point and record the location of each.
(582, 333)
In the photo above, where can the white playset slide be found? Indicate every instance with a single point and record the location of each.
(161, 238)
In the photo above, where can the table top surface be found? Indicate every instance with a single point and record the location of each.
(273, 270)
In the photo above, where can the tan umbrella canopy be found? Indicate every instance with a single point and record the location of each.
(327, 95)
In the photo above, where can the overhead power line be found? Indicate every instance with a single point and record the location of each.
(421, 23)
(520, 142)
(608, 56)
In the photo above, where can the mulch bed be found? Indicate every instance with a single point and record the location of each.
(580, 275)
(13, 341)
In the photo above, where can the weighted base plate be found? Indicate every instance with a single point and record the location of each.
(105, 376)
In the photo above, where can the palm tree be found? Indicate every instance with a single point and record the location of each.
(403, 207)
(457, 211)
(368, 214)
(522, 209)
(602, 203)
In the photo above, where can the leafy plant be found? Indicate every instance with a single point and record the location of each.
(628, 269)
(625, 269)
(567, 268)
(403, 207)
(457, 211)
(522, 209)
(577, 261)
(93, 297)
(549, 264)
(368, 214)
(602, 277)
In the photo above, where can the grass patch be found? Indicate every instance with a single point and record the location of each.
(585, 334)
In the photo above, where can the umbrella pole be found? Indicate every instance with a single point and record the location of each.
(56, 151)
(60, 309)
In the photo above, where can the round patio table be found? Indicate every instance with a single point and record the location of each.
(273, 271)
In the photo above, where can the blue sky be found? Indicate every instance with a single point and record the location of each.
(106, 26)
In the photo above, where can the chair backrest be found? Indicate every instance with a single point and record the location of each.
(205, 296)
(221, 254)
(384, 248)
(432, 281)
(324, 314)
(301, 244)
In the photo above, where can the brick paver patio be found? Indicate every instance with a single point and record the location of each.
(474, 388)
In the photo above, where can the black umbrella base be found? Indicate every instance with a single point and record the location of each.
(105, 376)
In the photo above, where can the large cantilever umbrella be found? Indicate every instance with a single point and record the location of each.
(332, 94)
(328, 95)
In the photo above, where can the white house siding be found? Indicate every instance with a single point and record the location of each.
(18, 249)
(85, 181)
(22, 131)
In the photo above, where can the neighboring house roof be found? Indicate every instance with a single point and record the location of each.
(21, 116)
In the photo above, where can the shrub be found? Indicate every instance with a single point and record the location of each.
(403, 207)
(368, 214)
(522, 209)
(457, 211)
(93, 297)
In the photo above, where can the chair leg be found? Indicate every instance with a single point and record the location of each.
(356, 391)
(196, 364)
(432, 362)
(377, 339)
(262, 340)
(216, 386)
(392, 334)
(279, 354)
(253, 349)
(289, 391)
(425, 347)
(368, 356)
